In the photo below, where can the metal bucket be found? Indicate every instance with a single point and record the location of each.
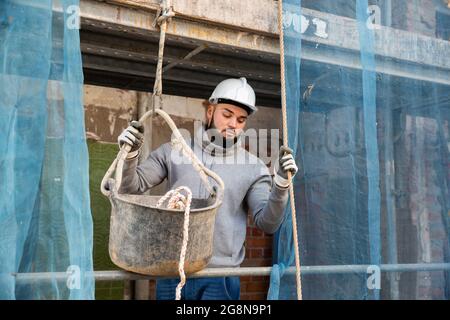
(147, 240)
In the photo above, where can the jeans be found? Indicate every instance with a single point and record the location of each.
(225, 288)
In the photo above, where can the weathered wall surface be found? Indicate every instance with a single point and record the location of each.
(108, 111)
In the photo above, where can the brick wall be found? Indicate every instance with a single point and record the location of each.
(425, 206)
(258, 246)
(258, 253)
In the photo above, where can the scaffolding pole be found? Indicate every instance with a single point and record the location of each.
(118, 275)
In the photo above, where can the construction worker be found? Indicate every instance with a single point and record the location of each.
(248, 185)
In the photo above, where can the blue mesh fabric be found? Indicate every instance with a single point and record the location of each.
(45, 216)
(372, 144)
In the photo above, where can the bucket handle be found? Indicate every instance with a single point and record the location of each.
(118, 162)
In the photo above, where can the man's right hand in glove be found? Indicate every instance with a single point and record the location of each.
(133, 136)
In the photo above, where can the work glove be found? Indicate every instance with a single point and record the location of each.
(284, 164)
(133, 136)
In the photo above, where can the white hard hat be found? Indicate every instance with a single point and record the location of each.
(235, 91)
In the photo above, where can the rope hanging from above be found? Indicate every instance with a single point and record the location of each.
(285, 143)
(177, 200)
(163, 16)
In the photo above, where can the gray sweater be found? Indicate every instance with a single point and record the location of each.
(248, 188)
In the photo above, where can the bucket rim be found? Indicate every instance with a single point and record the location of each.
(118, 196)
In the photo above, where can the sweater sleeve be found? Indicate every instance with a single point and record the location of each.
(151, 172)
(267, 203)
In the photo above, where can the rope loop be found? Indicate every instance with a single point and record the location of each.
(164, 14)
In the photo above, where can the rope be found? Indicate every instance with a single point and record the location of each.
(177, 200)
(285, 143)
(163, 16)
(180, 202)
(178, 143)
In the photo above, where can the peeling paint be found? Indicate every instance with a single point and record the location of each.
(106, 123)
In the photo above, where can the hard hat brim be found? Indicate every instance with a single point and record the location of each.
(250, 109)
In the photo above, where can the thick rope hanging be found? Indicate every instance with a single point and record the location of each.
(163, 16)
(285, 143)
(180, 202)
(177, 200)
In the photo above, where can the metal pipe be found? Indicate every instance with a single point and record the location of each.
(187, 57)
(245, 271)
(388, 13)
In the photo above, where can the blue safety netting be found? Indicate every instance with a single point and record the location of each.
(45, 215)
(369, 122)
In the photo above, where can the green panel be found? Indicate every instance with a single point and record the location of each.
(101, 156)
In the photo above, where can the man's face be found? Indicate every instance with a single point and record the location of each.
(229, 119)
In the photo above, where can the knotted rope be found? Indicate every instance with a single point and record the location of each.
(178, 201)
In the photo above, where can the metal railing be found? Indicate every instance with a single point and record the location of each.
(117, 275)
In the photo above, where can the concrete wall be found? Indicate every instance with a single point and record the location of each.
(108, 111)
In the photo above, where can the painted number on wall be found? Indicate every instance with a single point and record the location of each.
(305, 24)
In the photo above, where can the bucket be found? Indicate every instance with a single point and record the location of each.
(148, 240)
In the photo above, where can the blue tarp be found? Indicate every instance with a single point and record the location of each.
(45, 214)
(373, 148)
